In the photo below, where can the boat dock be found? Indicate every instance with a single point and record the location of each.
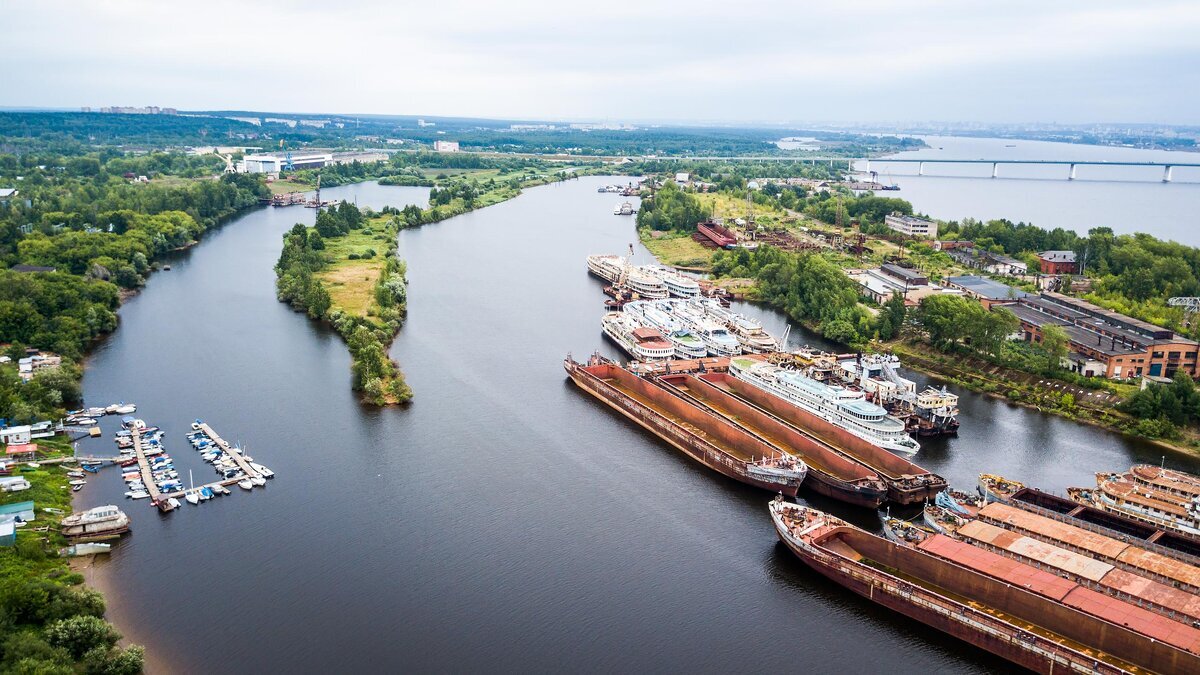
(234, 453)
(156, 497)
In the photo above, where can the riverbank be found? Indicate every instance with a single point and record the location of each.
(43, 595)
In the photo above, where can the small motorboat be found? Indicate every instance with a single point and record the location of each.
(173, 503)
(258, 480)
(262, 470)
(75, 474)
(78, 481)
(90, 468)
(95, 412)
(137, 494)
(196, 425)
(76, 488)
(220, 490)
(245, 484)
(206, 493)
(124, 409)
(35, 465)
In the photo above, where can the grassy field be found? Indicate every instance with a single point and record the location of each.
(351, 283)
(728, 207)
(678, 250)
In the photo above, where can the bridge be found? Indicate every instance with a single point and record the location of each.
(1167, 167)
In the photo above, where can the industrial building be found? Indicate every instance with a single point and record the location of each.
(275, 163)
(881, 284)
(987, 291)
(912, 226)
(1058, 262)
(445, 146)
(1104, 343)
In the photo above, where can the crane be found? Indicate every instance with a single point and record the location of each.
(1190, 306)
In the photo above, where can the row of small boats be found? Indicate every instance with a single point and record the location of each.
(86, 417)
(221, 456)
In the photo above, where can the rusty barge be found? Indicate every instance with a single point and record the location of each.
(699, 434)
(1030, 616)
(906, 482)
(830, 473)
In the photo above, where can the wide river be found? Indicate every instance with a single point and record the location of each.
(505, 521)
(1127, 199)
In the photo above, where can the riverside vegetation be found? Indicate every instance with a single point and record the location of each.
(344, 270)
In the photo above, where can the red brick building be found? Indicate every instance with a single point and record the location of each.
(1058, 262)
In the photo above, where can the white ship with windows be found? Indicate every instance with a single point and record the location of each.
(714, 334)
(687, 345)
(678, 285)
(749, 332)
(617, 270)
(641, 342)
(842, 407)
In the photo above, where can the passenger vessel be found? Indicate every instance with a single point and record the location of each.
(617, 270)
(716, 338)
(641, 342)
(677, 284)
(687, 346)
(842, 407)
(747, 331)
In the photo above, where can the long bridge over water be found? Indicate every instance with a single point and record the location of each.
(1071, 164)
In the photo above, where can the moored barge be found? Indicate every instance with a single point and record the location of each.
(700, 435)
(830, 472)
(1029, 616)
(907, 483)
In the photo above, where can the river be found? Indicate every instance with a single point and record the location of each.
(1127, 199)
(505, 521)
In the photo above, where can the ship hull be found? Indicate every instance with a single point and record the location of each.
(677, 436)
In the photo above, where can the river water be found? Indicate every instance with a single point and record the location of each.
(505, 521)
(1127, 199)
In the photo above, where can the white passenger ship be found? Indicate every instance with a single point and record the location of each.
(678, 285)
(842, 407)
(616, 270)
(687, 346)
(641, 342)
(715, 336)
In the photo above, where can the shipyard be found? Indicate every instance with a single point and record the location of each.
(1101, 579)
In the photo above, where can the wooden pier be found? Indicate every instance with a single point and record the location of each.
(235, 453)
(156, 497)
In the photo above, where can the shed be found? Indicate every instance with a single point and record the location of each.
(8, 532)
(14, 484)
(24, 452)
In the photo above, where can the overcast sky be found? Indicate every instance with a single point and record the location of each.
(870, 60)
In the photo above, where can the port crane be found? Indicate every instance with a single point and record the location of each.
(1190, 306)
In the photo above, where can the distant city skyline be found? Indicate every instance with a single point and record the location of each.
(775, 62)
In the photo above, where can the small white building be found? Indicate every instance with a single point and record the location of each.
(911, 226)
(19, 435)
(445, 146)
(682, 178)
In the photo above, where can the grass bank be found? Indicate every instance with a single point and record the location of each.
(50, 622)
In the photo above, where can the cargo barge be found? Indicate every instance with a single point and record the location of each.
(698, 434)
(830, 473)
(907, 483)
(1031, 617)
(1174, 544)
(1130, 557)
(1148, 589)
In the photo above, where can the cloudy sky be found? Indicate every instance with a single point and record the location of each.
(871, 60)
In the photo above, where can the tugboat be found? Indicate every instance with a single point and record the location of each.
(995, 488)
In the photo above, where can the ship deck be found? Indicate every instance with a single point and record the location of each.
(864, 549)
(1119, 553)
(732, 449)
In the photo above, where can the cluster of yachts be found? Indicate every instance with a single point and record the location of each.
(223, 459)
(162, 468)
(650, 330)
